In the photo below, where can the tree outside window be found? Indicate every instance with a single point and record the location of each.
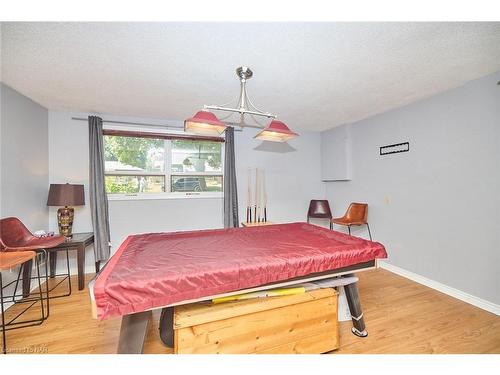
(145, 165)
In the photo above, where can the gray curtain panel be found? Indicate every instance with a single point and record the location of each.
(97, 190)
(231, 218)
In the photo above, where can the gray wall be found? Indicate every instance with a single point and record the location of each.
(24, 159)
(437, 207)
(24, 162)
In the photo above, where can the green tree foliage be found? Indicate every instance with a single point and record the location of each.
(131, 151)
(142, 153)
(113, 186)
(208, 150)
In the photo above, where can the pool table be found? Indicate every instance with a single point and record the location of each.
(161, 270)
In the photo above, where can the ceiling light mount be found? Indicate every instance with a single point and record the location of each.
(244, 72)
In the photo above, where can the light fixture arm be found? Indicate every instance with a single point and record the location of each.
(239, 110)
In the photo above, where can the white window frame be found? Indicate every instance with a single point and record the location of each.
(167, 173)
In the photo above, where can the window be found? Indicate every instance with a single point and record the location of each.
(138, 165)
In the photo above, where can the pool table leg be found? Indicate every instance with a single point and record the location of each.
(358, 322)
(133, 333)
(166, 326)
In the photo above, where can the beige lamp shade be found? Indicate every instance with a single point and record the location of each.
(276, 131)
(66, 195)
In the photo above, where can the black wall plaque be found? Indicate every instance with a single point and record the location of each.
(395, 148)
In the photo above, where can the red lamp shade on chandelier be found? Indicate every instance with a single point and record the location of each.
(276, 131)
(205, 123)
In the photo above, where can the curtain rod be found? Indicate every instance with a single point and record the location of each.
(142, 123)
(130, 123)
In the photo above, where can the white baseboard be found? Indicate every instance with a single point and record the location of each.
(468, 298)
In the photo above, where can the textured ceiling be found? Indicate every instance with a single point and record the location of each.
(314, 76)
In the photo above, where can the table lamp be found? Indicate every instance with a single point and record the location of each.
(65, 195)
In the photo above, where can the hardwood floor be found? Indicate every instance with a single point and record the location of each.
(401, 315)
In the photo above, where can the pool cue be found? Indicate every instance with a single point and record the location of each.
(263, 198)
(249, 196)
(261, 187)
(257, 196)
(254, 197)
(252, 202)
(260, 196)
(264, 194)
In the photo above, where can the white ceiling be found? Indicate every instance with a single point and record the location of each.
(312, 75)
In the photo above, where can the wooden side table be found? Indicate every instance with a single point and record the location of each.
(251, 224)
(78, 242)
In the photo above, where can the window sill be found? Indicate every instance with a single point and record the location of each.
(163, 196)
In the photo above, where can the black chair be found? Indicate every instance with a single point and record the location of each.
(320, 209)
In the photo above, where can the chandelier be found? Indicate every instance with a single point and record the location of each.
(206, 123)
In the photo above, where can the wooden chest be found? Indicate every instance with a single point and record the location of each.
(301, 323)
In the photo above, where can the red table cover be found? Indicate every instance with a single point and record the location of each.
(157, 269)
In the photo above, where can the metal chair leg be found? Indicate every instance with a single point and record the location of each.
(47, 280)
(369, 231)
(4, 339)
(349, 228)
(21, 267)
(331, 225)
(40, 292)
(48, 290)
